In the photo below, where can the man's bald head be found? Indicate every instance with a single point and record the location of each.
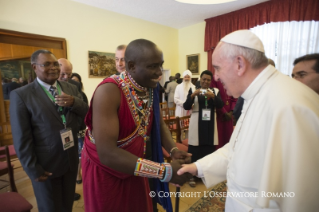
(138, 49)
(144, 62)
(66, 69)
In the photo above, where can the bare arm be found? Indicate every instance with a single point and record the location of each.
(105, 120)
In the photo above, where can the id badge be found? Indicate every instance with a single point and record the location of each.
(206, 115)
(67, 138)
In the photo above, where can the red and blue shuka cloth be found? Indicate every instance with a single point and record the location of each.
(106, 189)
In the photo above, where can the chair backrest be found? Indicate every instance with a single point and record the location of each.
(163, 108)
(183, 126)
(6, 167)
(171, 112)
(173, 126)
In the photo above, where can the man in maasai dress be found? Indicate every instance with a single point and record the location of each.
(124, 113)
(271, 161)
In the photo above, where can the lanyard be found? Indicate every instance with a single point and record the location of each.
(206, 102)
(53, 100)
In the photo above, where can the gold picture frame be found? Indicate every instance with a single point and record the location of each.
(101, 64)
(192, 63)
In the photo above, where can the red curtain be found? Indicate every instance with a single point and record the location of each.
(270, 11)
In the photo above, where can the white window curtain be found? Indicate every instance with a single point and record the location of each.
(286, 41)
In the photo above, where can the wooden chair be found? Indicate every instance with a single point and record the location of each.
(171, 113)
(184, 128)
(7, 168)
(13, 201)
(163, 108)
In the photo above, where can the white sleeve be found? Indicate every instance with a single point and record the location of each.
(212, 168)
(177, 99)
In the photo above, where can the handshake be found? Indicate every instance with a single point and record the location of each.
(183, 171)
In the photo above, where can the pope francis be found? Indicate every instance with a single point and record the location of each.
(272, 160)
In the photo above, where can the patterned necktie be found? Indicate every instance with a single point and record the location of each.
(53, 91)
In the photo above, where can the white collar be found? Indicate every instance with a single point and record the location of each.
(46, 85)
(259, 81)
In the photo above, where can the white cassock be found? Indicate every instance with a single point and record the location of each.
(180, 97)
(277, 149)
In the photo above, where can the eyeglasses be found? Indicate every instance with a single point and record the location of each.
(47, 65)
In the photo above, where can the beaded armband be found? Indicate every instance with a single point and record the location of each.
(150, 169)
(168, 173)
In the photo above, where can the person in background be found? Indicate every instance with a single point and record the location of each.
(306, 71)
(203, 134)
(66, 72)
(43, 114)
(272, 157)
(65, 76)
(181, 93)
(119, 58)
(170, 91)
(76, 77)
(171, 78)
(178, 78)
(8, 87)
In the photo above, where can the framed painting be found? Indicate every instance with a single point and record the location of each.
(17, 68)
(101, 64)
(192, 63)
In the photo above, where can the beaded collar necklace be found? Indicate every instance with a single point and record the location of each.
(135, 85)
(138, 101)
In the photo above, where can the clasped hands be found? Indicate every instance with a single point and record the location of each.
(182, 169)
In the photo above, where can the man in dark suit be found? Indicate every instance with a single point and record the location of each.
(8, 87)
(42, 113)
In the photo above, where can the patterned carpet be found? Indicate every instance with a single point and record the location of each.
(211, 204)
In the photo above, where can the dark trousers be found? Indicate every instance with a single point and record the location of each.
(56, 194)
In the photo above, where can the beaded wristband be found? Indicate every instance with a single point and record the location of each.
(168, 173)
(170, 153)
(150, 169)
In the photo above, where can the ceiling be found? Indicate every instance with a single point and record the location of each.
(169, 12)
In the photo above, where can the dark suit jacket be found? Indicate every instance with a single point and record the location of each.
(77, 84)
(8, 87)
(36, 127)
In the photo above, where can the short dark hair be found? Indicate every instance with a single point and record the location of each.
(178, 74)
(120, 47)
(207, 72)
(79, 77)
(34, 56)
(308, 57)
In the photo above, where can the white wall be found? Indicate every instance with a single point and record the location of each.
(86, 28)
(191, 41)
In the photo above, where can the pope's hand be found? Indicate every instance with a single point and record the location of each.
(178, 179)
(190, 168)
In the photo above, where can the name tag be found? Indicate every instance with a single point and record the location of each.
(206, 115)
(67, 138)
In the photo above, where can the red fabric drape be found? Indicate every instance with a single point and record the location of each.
(271, 11)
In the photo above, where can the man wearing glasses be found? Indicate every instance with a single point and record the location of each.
(43, 114)
(306, 70)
